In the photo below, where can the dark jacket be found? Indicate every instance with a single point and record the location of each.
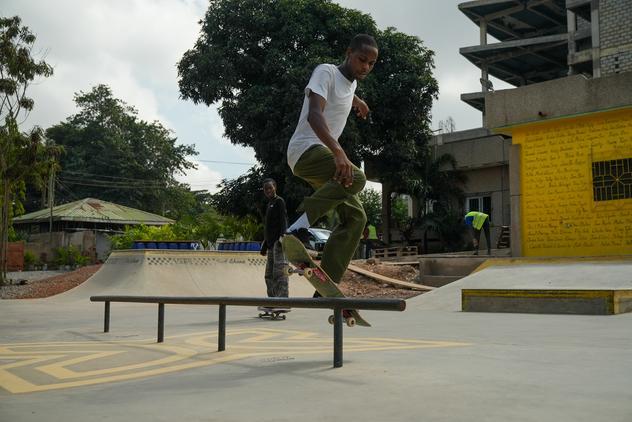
(275, 222)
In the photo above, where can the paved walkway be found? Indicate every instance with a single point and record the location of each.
(431, 363)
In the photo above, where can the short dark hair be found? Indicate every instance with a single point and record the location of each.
(269, 180)
(361, 40)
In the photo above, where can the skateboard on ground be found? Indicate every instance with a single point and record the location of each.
(273, 313)
(302, 263)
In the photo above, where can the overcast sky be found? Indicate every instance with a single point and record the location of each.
(133, 46)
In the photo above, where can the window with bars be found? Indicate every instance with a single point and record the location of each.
(612, 179)
(479, 203)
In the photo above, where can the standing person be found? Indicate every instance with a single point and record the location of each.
(479, 220)
(275, 227)
(315, 155)
(371, 239)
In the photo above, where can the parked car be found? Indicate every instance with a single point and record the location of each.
(317, 238)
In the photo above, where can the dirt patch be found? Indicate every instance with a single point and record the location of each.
(358, 285)
(48, 286)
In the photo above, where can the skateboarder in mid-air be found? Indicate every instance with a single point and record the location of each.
(315, 155)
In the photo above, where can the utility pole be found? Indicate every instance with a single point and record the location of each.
(51, 199)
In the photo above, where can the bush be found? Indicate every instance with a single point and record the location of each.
(207, 227)
(29, 259)
(142, 232)
(69, 256)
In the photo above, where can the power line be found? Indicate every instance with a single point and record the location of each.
(227, 162)
(65, 188)
(99, 175)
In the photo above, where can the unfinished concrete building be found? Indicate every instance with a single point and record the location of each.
(570, 119)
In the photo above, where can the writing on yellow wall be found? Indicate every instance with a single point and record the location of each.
(559, 213)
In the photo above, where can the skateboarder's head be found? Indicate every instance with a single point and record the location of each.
(269, 188)
(361, 56)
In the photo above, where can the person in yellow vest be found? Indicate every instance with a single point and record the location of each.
(369, 238)
(479, 221)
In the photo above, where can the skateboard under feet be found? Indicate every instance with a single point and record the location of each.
(303, 264)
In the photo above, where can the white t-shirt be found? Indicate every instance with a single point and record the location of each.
(338, 91)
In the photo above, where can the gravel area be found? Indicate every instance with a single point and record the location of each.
(44, 287)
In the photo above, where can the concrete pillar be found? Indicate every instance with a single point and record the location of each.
(596, 44)
(515, 200)
(571, 23)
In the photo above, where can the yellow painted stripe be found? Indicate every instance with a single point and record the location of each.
(527, 293)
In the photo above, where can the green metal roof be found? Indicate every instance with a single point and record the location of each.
(94, 211)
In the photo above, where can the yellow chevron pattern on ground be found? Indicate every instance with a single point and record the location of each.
(37, 367)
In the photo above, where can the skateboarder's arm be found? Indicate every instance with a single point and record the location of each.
(316, 119)
(362, 110)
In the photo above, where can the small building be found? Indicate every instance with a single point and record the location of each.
(571, 164)
(85, 223)
(483, 157)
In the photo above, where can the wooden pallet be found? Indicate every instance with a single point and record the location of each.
(394, 252)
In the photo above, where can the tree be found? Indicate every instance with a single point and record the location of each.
(115, 156)
(401, 91)
(18, 151)
(255, 57)
(372, 203)
(437, 192)
(242, 196)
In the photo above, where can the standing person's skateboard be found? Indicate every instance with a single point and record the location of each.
(273, 313)
(303, 264)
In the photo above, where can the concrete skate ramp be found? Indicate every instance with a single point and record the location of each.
(181, 273)
(573, 273)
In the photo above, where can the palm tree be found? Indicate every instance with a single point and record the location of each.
(438, 191)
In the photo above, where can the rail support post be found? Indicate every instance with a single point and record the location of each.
(337, 338)
(106, 318)
(221, 329)
(161, 322)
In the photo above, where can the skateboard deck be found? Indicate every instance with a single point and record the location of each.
(303, 264)
(273, 313)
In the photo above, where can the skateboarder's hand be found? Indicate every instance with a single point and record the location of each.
(361, 109)
(344, 169)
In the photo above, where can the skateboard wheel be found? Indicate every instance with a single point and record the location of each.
(351, 322)
(308, 272)
(287, 271)
(331, 319)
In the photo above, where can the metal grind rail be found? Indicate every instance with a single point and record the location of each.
(337, 305)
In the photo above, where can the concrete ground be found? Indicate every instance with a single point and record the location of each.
(430, 362)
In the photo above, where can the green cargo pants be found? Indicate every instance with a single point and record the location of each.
(317, 167)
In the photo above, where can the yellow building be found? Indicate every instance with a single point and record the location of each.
(576, 184)
(570, 165)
